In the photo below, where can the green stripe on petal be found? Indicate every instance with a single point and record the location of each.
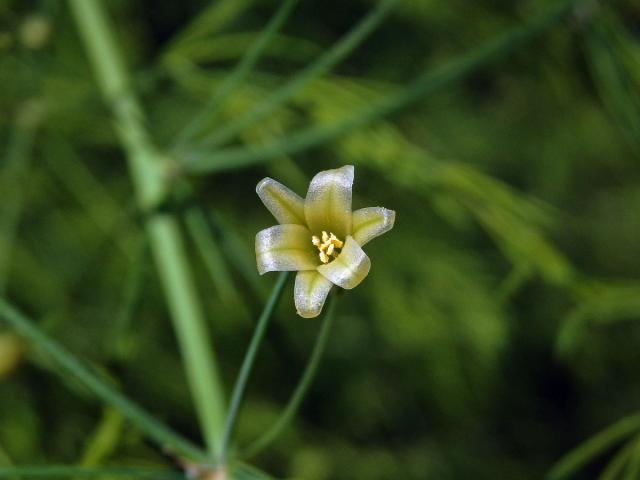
(371, 222)
(284, 204)
(350, 268)
(328, 203)
(310, 292)
(285, 248)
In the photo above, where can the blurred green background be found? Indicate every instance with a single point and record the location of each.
(498, 326)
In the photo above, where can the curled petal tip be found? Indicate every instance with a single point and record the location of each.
(371, 222)
(284, 204)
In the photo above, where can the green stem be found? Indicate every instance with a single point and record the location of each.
(196, 222)
(234, 80)
(104, 439)
(205, 161)
(68, 363)
(165, 238)
(633, 467)
(63, 471)
(249, 358)
(301, 389)
(595, 446)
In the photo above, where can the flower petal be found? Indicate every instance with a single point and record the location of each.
(310, 292)
(350, 268)
(368, 223)
(284, 204)
(285, 248)
(328, 203)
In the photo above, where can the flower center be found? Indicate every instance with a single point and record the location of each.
(328, 246)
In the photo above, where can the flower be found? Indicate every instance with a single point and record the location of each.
(319, 236)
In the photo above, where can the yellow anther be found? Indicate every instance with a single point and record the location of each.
(328, 247)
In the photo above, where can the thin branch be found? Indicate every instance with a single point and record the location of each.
(249, 359)
(301, 389)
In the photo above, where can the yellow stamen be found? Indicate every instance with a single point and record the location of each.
(328, 247)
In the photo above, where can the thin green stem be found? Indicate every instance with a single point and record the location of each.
(321, 66)
(201, 161)
(593, 447)
(234, 80)
(104, 439)
(238, 252)
(301, 389)
(147, 167)
(617, 463)
(633, 467)
(214, 261)
(247, 364)
(61, 471)
(68, 363)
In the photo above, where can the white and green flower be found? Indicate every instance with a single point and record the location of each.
(320, 237)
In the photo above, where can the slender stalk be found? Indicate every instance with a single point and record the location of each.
(322, 65)
(234, 80)
(633, 467)
(593, 447)
(301, 389)
(618, 463)
(104, 439)
(201, 161)
(63, 471)
(69, 364)
(247, 364)
(198, 228)
(238, 252)
(165, 237)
